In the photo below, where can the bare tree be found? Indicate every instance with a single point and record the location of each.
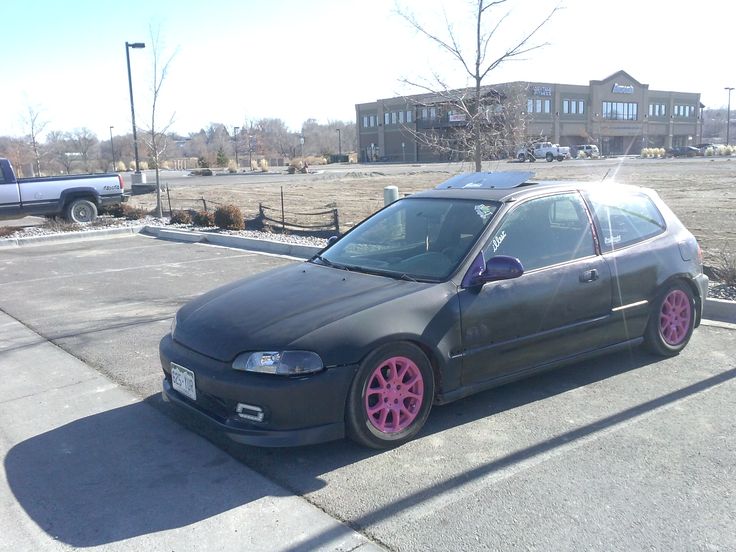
(61, 147)
(480, 118)
(84, 143)
(155, 137)
(35, 127)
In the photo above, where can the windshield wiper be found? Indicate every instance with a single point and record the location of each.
(328, 262)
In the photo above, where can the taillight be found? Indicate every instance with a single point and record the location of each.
(122, 186)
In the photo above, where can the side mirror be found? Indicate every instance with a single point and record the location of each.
(331, 240)
(497, 268)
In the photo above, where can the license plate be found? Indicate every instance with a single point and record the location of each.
(182, 379)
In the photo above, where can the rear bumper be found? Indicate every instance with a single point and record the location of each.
(701, 282)
(112, 199)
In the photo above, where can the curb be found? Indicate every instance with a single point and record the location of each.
(720, 310)
(252, 244)
(69, 236)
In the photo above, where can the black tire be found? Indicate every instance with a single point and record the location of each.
(522, 157)
(366, 392)
(560, 158)
(549, 157)
(671, 321)
(81, 210)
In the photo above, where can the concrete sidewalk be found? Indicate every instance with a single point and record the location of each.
(86, 464)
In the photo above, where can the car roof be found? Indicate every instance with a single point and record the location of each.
(527, 188)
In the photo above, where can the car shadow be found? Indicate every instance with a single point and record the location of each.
(124, 473)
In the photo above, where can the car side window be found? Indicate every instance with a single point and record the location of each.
(544, 231)
(625, 219)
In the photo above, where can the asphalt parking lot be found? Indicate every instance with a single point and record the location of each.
(626, 452)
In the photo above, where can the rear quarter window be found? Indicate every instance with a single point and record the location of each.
(625, 218)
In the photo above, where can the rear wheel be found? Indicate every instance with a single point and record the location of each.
(549, 157)
(81, 210)
(672, 321)
(390, 397)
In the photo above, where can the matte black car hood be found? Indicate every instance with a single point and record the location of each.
(276, 308)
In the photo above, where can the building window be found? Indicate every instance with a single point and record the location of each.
(621, 111)
(365, 121)
(393, 117)
(401, 117)
(432, 113)
(566, 106)
(684, 111)
(547, 106)
(657, 110)
(537, 106)
(386, 118)
(408, 116)
(373, 120)
(581, 107)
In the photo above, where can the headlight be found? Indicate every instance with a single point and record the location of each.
(279, 362)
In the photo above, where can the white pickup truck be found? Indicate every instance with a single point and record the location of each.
(543, 150)
(75, 197)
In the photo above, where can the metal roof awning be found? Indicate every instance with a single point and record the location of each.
(487, 180)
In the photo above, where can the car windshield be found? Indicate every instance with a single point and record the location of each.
(420, 239)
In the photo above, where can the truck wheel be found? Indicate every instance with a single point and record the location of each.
(522, 157)
(549, 157)
(81, 210)
(560, 158)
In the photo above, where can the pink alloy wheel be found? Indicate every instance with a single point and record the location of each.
(393, 396)
(674, 317)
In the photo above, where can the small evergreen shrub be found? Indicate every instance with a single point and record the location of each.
(229, 217)
(203, 219)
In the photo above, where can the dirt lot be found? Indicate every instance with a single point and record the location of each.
(701, 191)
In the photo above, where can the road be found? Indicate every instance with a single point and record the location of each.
(626, 452)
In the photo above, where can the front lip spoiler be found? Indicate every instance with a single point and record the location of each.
(260, 437)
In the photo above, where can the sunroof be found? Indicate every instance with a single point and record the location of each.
(488, 180)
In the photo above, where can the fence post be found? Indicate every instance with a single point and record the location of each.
(336, 217)
(283, 217)
(204, 203)
(168, 196)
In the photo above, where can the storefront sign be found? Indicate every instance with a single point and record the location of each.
(623, 89)
(456, 117)
(542, 90)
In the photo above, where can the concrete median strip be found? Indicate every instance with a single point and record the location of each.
(87, 464)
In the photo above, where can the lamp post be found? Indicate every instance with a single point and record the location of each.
(235, 136)
(112, 149)
(138, 178)
(301, 147)
(339, 145)
(728, 116)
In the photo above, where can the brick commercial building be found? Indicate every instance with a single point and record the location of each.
(619, 114)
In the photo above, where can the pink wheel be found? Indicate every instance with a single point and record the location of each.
(390, 397)
(674, 317)
(672, 320)
(394, 394)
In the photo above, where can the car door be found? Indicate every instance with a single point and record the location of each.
(556, 309)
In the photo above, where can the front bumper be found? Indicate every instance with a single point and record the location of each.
(296, 410)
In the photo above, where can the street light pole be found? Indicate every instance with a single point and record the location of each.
(728, 116)
(112, 149)
(137, 177)
(339, 144)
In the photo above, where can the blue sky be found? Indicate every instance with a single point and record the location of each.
(247, 59)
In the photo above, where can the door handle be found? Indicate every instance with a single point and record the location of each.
(589, 275)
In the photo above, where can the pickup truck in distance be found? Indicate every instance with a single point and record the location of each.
(75, 197)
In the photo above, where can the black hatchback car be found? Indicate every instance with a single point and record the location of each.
(488, 279)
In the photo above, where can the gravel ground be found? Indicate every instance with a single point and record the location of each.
(716, 290)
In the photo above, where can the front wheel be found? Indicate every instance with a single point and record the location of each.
(549, 157)
(81, 210)
(390, 397)
(672, 321)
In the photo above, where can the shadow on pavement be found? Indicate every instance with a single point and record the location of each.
(124, 473)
